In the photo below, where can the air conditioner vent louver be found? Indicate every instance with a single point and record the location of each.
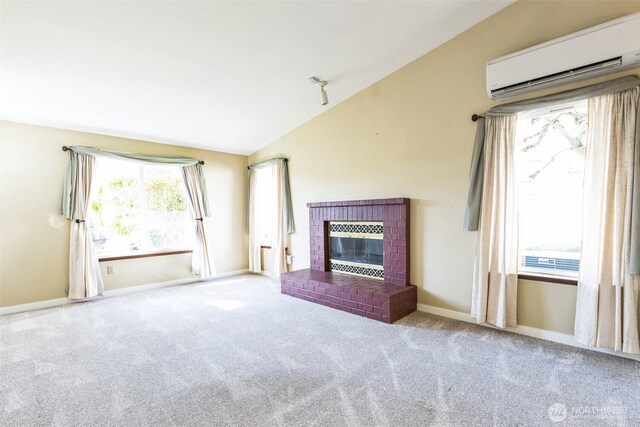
(547, 81)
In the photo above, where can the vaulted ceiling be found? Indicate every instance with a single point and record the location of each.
(225, 76)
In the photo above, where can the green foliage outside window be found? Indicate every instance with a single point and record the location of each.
(162, 195)
(165, 195)
(137, 207)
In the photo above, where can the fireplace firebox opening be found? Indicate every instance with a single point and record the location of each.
(357, 248)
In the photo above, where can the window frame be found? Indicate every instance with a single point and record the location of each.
(548, 278)
(106, 258)
(144, 253)
(532, 274)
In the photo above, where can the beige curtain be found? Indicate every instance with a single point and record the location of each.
(495, 275)
(202, 259)
(267, 199)
(255, 264)
(607, 304)
(85, 280)
(278, 228)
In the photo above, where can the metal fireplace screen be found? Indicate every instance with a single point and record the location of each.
(357, 248)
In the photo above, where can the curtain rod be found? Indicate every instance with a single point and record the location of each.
(603, 88)
(284, 159)
(65, 148)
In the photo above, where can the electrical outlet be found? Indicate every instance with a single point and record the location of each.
(110, 269)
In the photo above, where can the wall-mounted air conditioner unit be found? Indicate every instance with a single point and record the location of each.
(606, 48)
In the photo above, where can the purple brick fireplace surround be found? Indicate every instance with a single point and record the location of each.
(386, 300)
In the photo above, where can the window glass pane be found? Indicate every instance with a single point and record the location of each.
(137, 207)
(167, 220)
(550, 158)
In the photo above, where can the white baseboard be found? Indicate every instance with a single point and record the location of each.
(451, 314)
(11, 309)
(115, 292)
(557, 337)
(230, 273)
(148, 287)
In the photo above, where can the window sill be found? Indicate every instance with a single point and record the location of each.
(143, 255)
(549, 279)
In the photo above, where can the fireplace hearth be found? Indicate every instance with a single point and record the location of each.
(359, 259)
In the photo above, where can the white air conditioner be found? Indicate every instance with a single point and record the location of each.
(605, 48)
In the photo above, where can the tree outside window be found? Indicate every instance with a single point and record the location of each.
(137, 207)
(550, 160)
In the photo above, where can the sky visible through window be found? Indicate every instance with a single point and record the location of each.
(550, 160)
(139, 208)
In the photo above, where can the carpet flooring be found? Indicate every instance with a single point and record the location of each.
(237, 352)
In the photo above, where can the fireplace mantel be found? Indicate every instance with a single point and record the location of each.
(368, 202)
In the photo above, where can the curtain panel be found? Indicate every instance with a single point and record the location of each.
(473, 205)
(287, 204)
(279, 219)
(255, 264)
(85, 280)
(202, 260)
(281, 216)
(607, 303)
(495, 272)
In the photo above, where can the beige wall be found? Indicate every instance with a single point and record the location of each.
(410, 135)
(35, 239)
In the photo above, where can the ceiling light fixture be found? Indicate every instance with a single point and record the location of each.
(322, 83)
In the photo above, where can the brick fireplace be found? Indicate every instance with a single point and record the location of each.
(386, 300)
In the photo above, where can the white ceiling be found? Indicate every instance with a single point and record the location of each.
(225, 76)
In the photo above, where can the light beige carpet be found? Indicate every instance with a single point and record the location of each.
(237, 352)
